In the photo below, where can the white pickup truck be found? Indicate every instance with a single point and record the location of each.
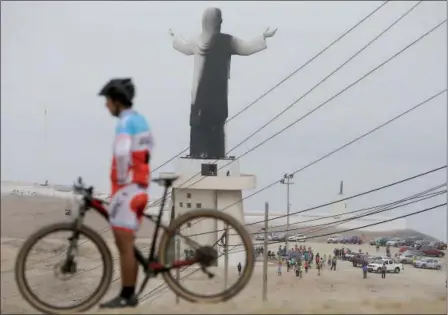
(391, 266)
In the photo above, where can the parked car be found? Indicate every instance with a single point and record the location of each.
(350, 254)
(345, 240)
(334, 239)
(431, 251)
(260, 237)
(297, 238)
(402, 249)
(396, 241)
(355, 240)
(391, 266)
(411, 240)
(439, 245)
(428, 263)
(382, 241)
(419, 244)
(407, 257)
(358, 259)
(375, 241)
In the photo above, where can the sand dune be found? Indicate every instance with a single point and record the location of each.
(343, 291)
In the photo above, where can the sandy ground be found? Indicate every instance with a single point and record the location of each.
(342, 291)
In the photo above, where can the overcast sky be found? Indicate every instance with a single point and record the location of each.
(57, 55)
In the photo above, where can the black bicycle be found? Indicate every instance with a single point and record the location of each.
(202, 256)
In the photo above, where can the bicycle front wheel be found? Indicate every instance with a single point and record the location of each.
(194, 221)
(33, 293)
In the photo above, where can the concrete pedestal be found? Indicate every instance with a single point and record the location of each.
(211, 184)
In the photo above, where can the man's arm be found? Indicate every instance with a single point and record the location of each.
(122, 151)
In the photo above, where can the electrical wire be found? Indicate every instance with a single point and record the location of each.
(324, 103)
(335, 151)
(377, 223)
(358, 195)
(286, 78)
(151, 293)
(361, 227)
(398, 204)
(339, 200)
(373, 212)
(424, 193)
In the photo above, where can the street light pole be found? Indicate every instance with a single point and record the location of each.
(286, 180)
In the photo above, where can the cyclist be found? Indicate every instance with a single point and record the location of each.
(129, 180)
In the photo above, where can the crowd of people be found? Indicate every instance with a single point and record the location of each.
(301, 259)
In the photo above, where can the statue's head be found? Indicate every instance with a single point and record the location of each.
(211, 20)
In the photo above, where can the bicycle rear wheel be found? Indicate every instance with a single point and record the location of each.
(237, 229)
(28, 292)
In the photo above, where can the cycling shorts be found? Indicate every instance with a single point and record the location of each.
(127, 206)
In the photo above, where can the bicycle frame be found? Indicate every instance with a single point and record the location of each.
(150, 265)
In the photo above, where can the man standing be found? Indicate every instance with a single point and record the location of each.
(383, 271)
(333, 263)
(364, 269)
(129, 180)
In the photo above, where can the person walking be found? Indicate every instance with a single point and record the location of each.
(364, 270)
(239, 268)
(279, 267)
(333, 263)
(383, 271)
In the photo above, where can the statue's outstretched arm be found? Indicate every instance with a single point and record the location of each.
(247, 48)
(181, 44)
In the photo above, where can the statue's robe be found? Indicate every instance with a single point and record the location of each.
(212, 52)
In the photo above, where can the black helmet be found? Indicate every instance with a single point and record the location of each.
(122, 90)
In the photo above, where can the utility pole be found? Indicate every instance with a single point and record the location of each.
(265, 253)
(45, 149)
(286, 180)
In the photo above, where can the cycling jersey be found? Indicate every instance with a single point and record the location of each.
(131, 152)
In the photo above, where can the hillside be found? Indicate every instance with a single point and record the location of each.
(325, 232)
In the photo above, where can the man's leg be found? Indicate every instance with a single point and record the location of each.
(125, 220)
(128, 264)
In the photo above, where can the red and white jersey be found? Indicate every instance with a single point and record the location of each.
(131, 151)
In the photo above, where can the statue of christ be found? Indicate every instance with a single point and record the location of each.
(212, 51)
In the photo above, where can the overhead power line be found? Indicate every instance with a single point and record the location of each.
(159, 288)
(326, 102)
(425, 193)
(326, 226)
(347, 198)
(286, 78)
(378, 223)
(357, 195)
(335, 151)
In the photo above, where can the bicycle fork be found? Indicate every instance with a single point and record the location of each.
(69, 266)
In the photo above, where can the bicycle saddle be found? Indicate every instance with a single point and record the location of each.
(166, 179)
